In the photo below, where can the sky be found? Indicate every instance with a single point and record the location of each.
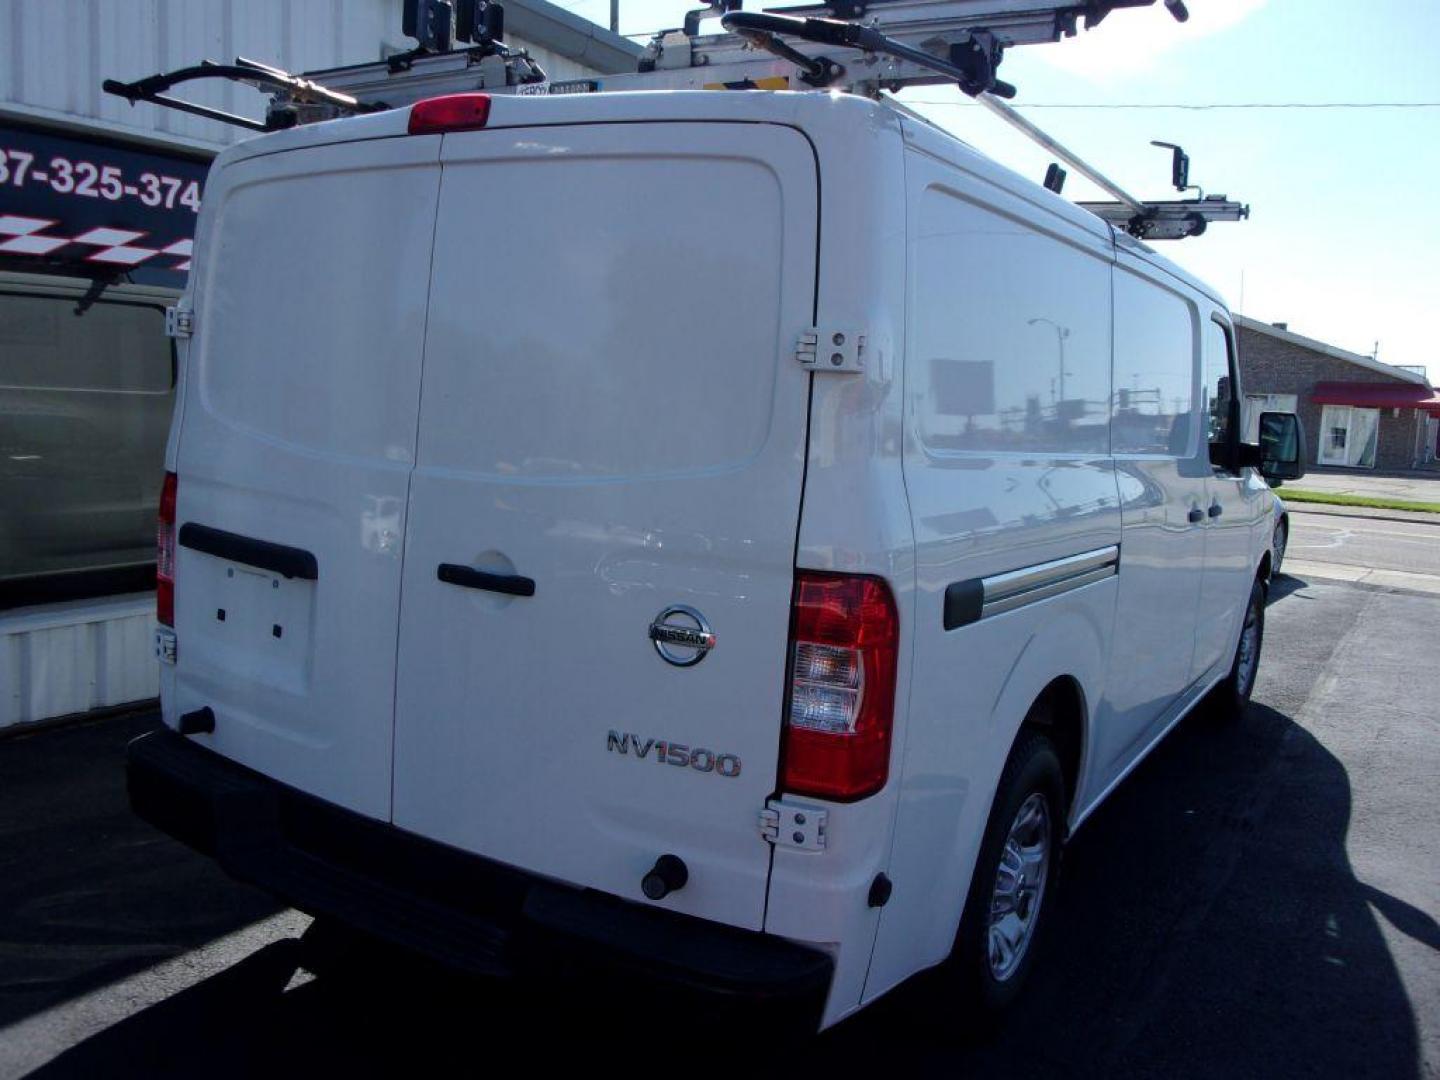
(1342, 244)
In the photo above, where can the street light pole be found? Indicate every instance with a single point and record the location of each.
(1061, 333)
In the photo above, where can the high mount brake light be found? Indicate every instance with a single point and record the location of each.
(450, 112)
(165, 553)
(844, 651)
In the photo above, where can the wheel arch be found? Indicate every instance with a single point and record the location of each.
(1061, 714)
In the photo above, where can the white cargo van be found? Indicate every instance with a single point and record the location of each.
(737, 536)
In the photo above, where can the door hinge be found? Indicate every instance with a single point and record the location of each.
(830, 348)
(165, 645)
(179, 322)
(794, 825)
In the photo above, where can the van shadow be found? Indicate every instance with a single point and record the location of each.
(89, 893)
(1284, 585)
(1208, 925)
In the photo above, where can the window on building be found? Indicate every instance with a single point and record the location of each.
(1349, 436)
(85, 405)
(1255, 404)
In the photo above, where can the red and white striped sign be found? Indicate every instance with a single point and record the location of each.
(116, 247)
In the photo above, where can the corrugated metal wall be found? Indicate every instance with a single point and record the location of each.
(70, 658)
(54, 54)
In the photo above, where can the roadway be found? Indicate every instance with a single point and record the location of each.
(1367, 550)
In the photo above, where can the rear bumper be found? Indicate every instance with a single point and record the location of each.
(453, 907)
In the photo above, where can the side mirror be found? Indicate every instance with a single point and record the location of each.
(1282, 441)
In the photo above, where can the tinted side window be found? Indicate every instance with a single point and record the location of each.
(1011, 335)
(1154, 369)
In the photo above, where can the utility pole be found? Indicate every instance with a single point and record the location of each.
(614, 16)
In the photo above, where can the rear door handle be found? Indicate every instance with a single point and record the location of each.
(1216, 510)
(1196, 515)
(470, 578)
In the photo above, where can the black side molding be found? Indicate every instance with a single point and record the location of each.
(470, 578)
(290, 562)
(964, 600)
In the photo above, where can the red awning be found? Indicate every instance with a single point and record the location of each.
(1374, 395)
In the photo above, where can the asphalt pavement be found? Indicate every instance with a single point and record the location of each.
(1259, 899)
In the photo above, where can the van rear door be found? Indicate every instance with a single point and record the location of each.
(611, 416)
(298, 436)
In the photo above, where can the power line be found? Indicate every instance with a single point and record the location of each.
(1197, 107)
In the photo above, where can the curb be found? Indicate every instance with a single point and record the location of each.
(1365, 577)
(1412, 517)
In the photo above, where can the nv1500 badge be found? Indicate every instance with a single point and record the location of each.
(677, 754)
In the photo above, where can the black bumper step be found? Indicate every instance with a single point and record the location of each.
(458, 909)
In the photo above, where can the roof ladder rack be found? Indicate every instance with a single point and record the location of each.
(864, 47)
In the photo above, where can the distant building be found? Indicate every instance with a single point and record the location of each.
(1358, 413)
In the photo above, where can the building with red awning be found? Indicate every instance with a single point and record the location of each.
(1357, 412)
(1378, 395)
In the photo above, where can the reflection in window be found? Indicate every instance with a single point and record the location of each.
(1014, 347)
(1154, 370)
(1218, 392)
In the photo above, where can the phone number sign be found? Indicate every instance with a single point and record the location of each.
(83, 206)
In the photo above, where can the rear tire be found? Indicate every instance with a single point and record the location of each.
(1232, 695)
(1011, 892)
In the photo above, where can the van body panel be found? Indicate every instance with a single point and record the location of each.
(301, 432)
(615, 412)
(855, 517)
(1002, 473)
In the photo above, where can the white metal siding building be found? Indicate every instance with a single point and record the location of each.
(54, 55)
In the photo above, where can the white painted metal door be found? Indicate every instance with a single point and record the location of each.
(611, 410)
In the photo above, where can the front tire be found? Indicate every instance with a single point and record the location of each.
(1011, 892)
(1278, 542)
(1233, 694)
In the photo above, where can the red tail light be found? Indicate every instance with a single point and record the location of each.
(165, 554)
(450, 112)
(841, 708)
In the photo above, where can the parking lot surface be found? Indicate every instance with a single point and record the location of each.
(1259, 899)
